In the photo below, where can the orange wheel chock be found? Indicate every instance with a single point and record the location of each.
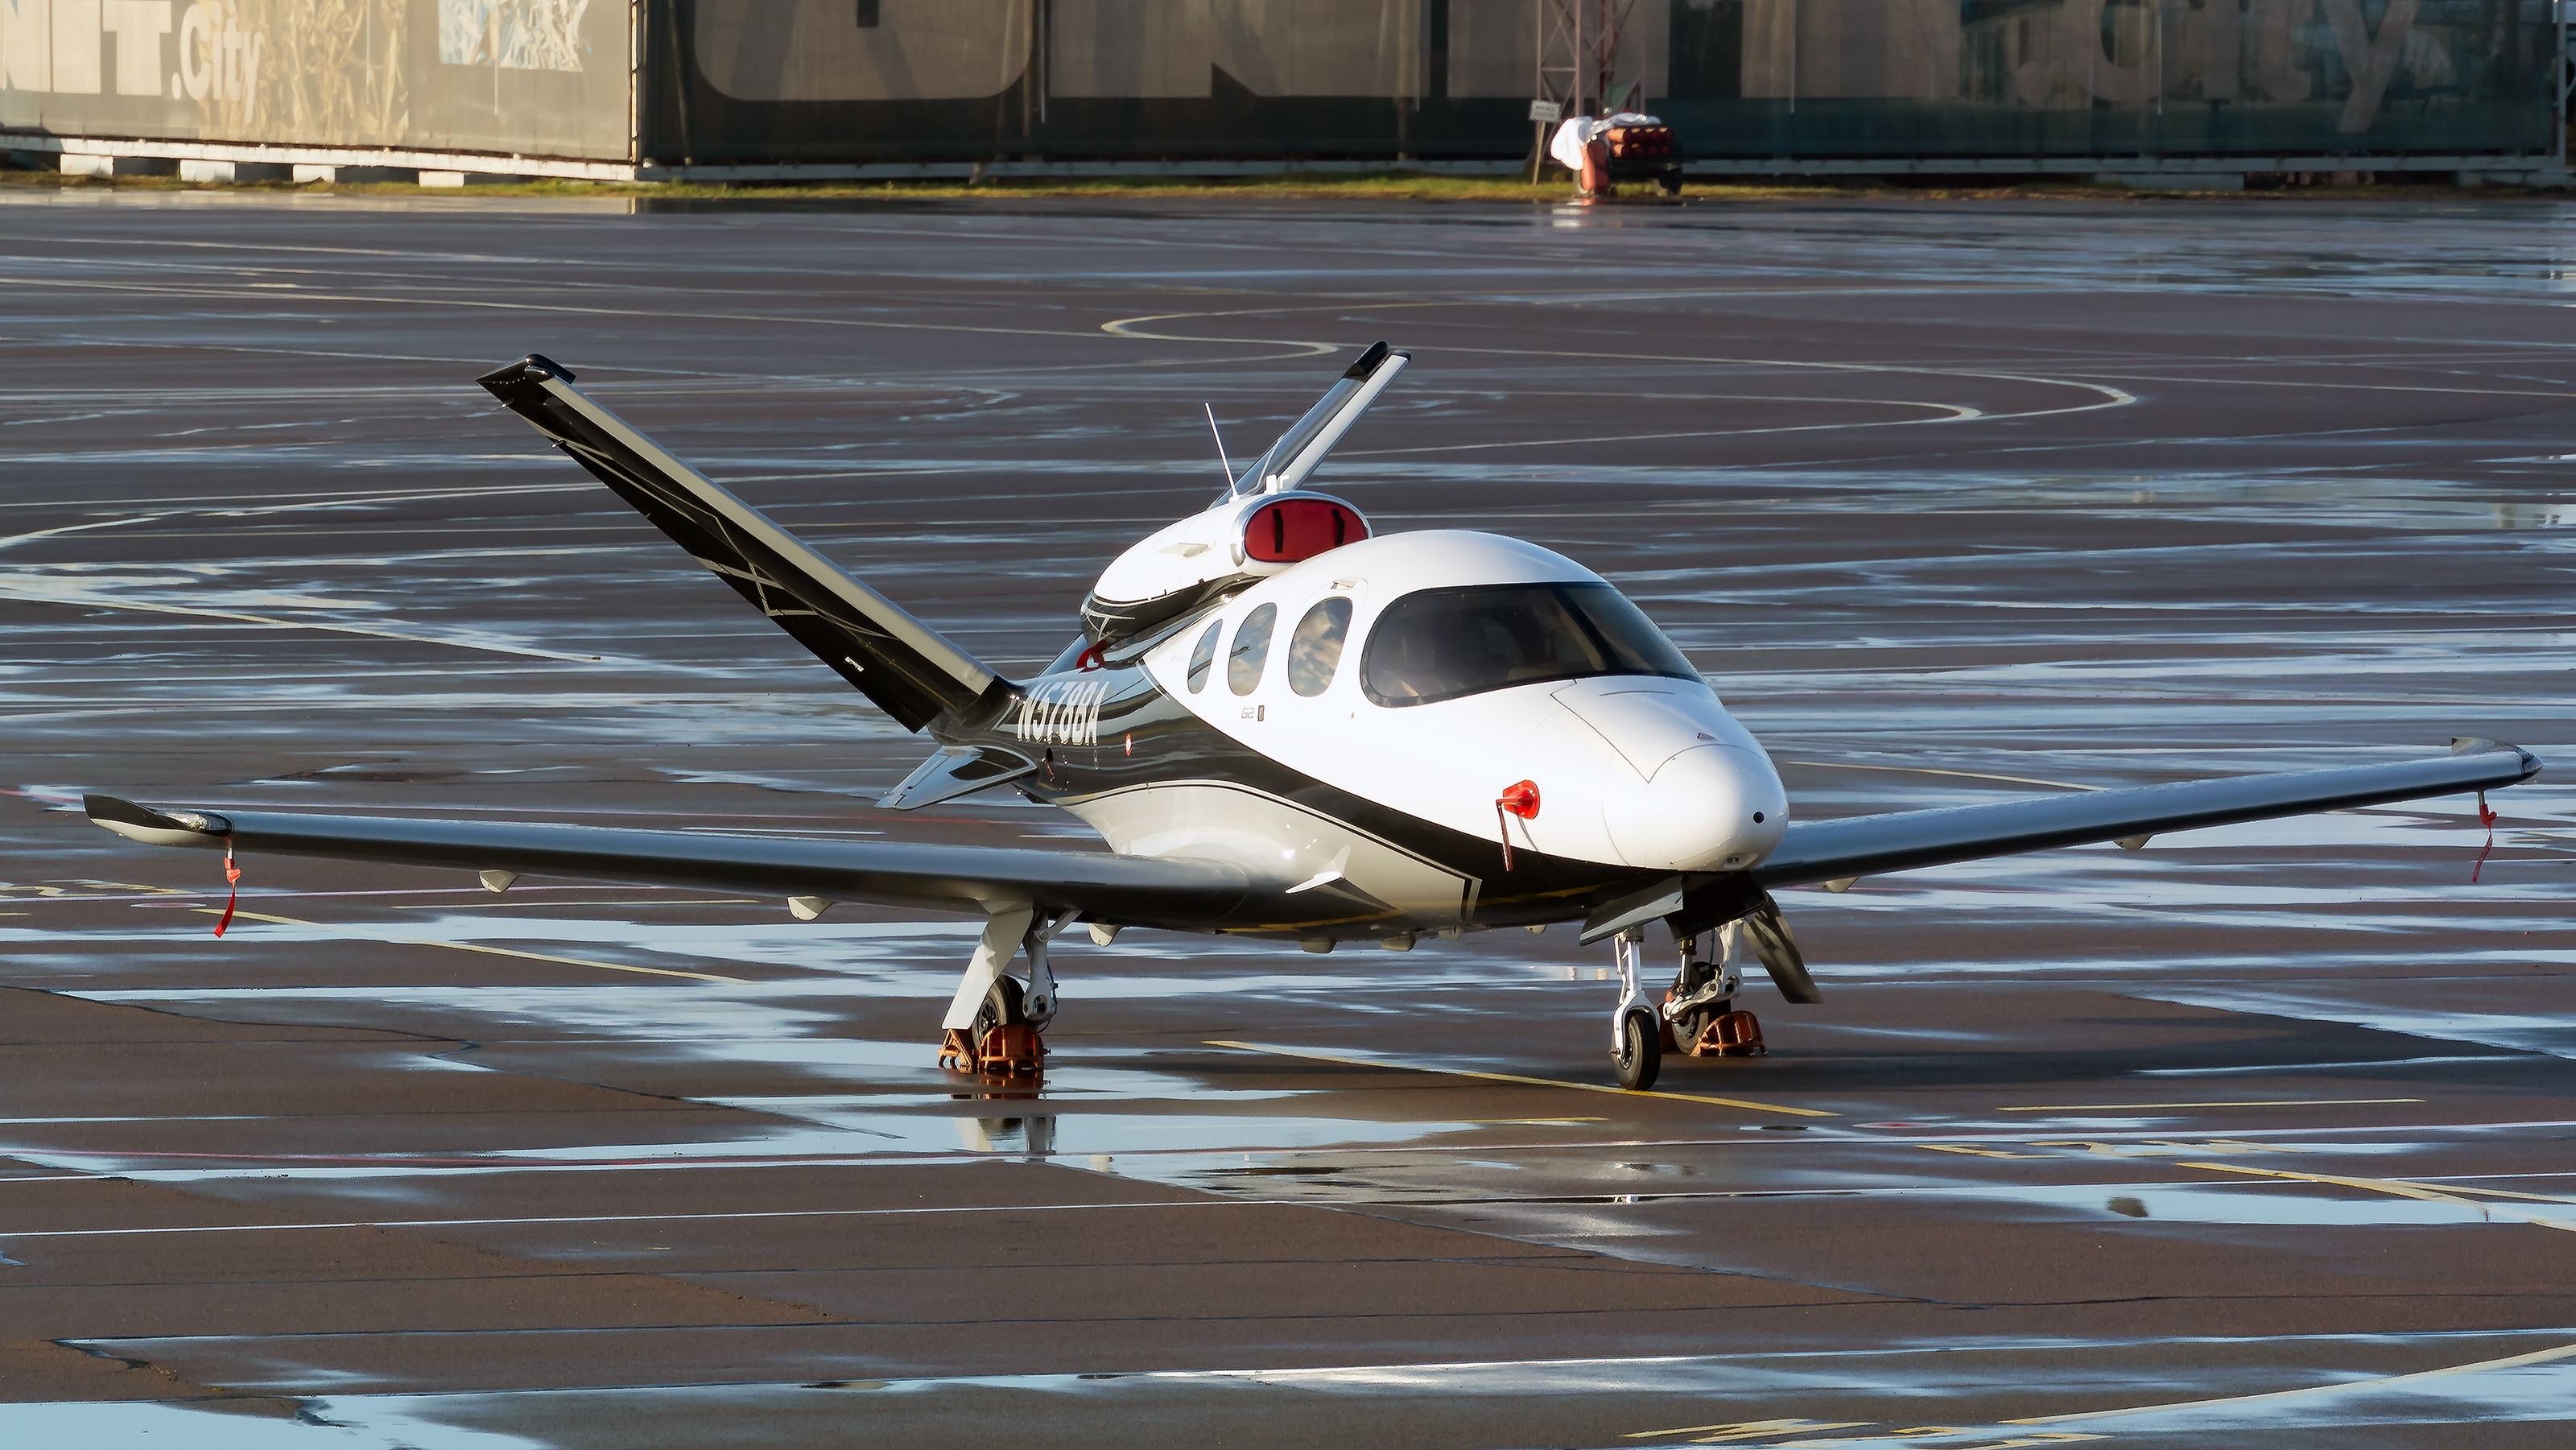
(1733, 1034)
(1014, 1050)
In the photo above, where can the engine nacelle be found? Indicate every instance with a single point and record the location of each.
(1212, 554)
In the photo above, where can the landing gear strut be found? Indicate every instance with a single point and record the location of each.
(1636, 1038)
(1697, 1015)
(994, 1022)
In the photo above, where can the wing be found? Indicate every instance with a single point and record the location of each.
(907, 668)
(1825, 851)
(1112, 890)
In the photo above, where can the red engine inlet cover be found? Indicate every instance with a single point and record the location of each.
(1291, 529)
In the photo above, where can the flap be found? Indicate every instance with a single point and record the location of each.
(955, 771)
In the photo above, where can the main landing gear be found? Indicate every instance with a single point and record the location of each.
(1699, 1013)
(994, 1023)
(1697, 1016)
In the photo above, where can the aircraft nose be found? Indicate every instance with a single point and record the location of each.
(1712, 808)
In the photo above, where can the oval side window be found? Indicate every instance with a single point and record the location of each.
(1251, 649)
(1203, 655)
(1315, 649)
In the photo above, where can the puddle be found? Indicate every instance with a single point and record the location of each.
(2553, 1034)
(1135, 1145)
(854, 1133)
(2254, 1205)
(2069, 1389)
(381, 1426)
(914, 959)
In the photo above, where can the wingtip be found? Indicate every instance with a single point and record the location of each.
(155, 828)
(1368, 362)
(2480, 745)
(535, 367)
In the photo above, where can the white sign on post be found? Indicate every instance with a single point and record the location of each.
(1546, 113)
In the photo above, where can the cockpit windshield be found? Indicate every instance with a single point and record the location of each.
(1440, 644)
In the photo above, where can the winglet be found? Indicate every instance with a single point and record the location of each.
(156, 828)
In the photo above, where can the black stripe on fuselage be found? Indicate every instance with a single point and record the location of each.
(1112, 729)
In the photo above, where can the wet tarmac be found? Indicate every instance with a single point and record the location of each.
(2262, 1131)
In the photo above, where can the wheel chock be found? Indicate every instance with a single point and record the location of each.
(1732, 1034)
(1015, 1050)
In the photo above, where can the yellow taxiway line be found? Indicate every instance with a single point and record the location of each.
(2167, 1107)
(2400, 1188)
(1590, 1087)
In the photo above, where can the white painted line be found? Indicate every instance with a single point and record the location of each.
(2339, 1387)
(257, 1228)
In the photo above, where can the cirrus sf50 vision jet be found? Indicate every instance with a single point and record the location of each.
(1286, 725)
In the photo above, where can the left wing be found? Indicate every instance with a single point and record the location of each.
(1112, 890)
(1824, 851)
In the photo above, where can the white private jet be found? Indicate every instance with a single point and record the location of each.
(1286, 726)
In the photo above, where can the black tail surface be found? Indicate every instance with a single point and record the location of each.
(907, 668)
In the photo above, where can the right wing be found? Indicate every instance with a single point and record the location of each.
(1826, 851)
(907, 668)
(1112, 890)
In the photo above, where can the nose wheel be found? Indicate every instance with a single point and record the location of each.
(1640, 1053)
(1636, 1037)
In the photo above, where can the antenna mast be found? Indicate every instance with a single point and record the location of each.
(1222, 462)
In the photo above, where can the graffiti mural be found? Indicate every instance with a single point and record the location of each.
(480, 75)
(512, 34)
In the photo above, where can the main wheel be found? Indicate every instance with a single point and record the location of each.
(1641, 1052)
(1004, 1003)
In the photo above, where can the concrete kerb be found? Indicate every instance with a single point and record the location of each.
(470, 178)
(235, 173)
(82, 163)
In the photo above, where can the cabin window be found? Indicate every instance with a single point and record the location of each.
(1440, 644)
(1203, 655)
(1315, 649)
(1251, 649)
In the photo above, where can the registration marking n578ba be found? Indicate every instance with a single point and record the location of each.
(1061, 713)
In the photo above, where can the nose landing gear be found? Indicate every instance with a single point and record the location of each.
(1636, 1037)
(1697, 1016)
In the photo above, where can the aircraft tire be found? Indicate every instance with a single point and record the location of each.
(1641, 1052)
(1005, 1003)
